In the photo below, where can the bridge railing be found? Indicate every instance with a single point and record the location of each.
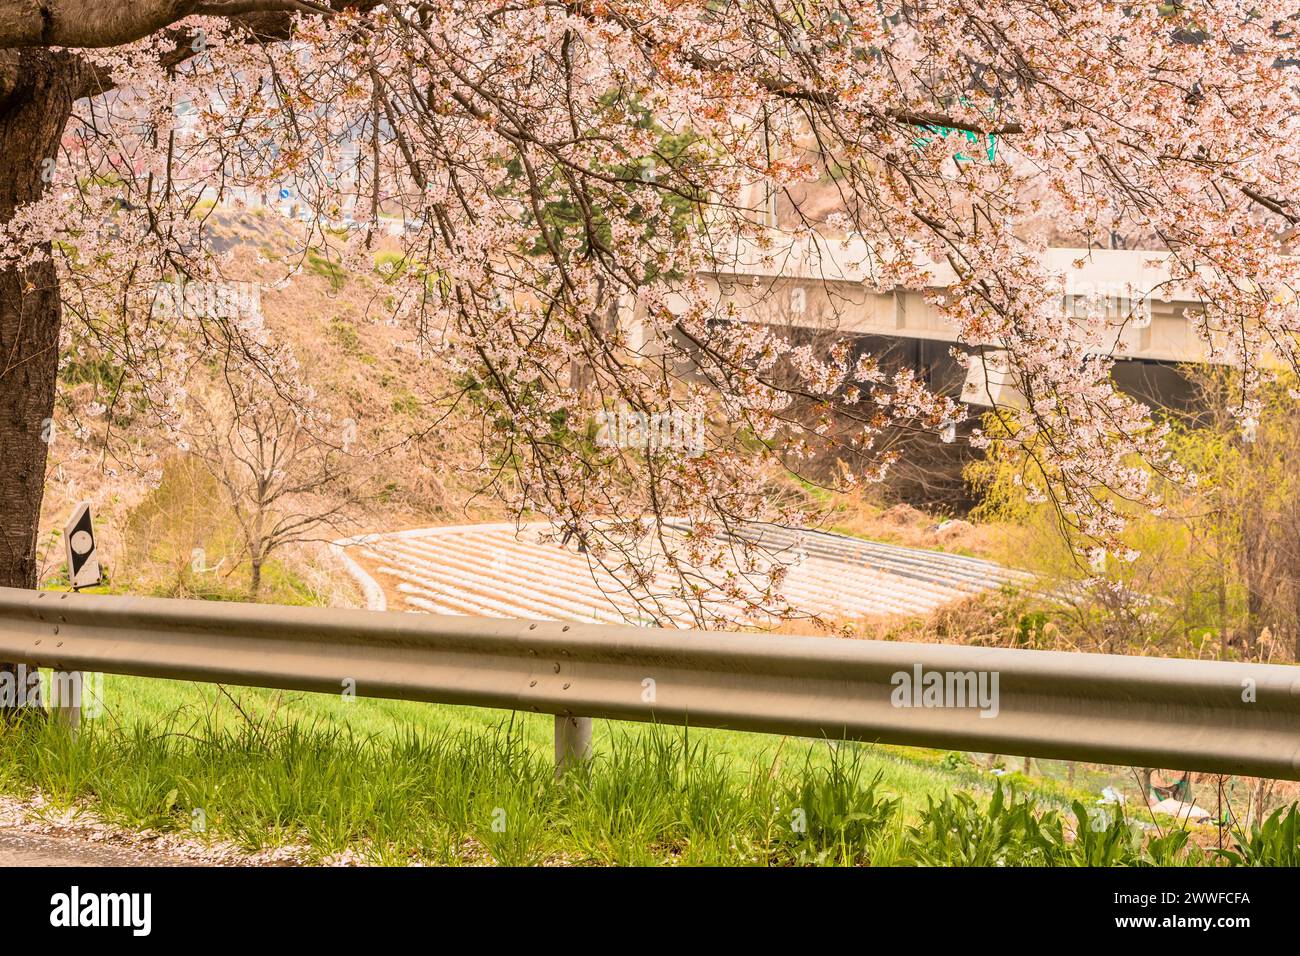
(1212, 716)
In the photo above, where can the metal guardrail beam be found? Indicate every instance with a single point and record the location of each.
(1154, 712)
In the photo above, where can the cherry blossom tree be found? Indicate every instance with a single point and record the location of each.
(557, 167)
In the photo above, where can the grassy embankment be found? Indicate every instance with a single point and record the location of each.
(397, 782)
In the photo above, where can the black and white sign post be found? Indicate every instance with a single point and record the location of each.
(66, 688)
(79, 538)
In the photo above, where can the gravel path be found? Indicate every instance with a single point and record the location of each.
(23, 848)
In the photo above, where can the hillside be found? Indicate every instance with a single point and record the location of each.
(156, 506)
(366, 372)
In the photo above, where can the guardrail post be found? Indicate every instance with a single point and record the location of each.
(65, 697)
(572, 742)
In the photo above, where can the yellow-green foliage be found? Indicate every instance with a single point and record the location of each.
(998, 476)
(1217, 568)
(390, 265)
(321, 265)
(183, 537)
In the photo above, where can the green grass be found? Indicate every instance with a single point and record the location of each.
(201, 708)
(331, 270)
(281, 584)
(398, 782)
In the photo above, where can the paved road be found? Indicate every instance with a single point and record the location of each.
(20, 848)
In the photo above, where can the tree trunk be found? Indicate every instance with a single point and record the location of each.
(1144, 775)
(33, 114)
(1258, 794)
(255, 580)
(1295, 617)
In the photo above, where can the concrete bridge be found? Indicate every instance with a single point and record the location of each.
(819, 285)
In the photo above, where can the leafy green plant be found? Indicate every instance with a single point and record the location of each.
(828, 813)
(953, 760)
(1100, 839)
(1172, 849)
(956, 831)
(1275, 842)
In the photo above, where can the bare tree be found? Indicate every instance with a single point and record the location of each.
(287, 480)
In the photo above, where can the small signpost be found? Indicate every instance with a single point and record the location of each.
(66, 689)
(79, 539)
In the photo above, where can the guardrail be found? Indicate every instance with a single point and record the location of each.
(1152, 712)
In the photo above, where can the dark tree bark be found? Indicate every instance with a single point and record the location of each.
(33, 115)
(103, 23)
(38, 86)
